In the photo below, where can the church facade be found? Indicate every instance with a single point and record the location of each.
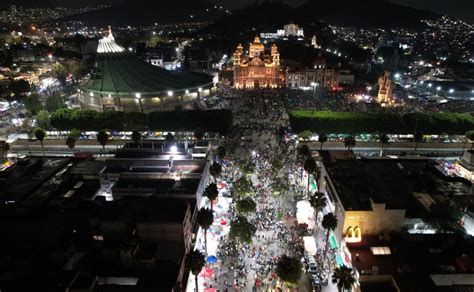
(256, 69)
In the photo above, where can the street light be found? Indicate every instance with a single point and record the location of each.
(139, 97)
(170, 93)
(314, 84)
(397, 75)
(451, 90)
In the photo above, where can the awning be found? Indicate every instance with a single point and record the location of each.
(310, 245)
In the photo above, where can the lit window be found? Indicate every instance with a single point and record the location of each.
(380, 250)
(98, 237)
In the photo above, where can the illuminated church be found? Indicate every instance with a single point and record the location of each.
(256, 70)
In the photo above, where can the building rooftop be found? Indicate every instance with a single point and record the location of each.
(392, 182)
(159, 186)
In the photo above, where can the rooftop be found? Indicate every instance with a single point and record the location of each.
(392, 182)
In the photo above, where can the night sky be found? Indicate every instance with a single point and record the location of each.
(463, 9)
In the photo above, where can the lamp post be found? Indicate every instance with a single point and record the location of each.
(314, 84)
(139, 97)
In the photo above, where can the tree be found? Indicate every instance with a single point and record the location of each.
(42, 118)
(55, 101)
(32, 103)
(318, 201)
(344, 278)
(136, 137)
(470, 136)
(443, 217)
(418, 137)
(383, 139)
(349, 142)
(215, 170)
(211, 193)
(169, 137)
(19, 87)
(195, 261)
(303, 151)
(75, 134)
(242, 186)
(289, 269)
(246, 205)
(60, 72)
(221, 152)
(242, 229)
(6, 149)
(40, 134)
(71, 143)
(199, 133)
(205, 218)
(310, 167)
(323, 138)
(329, 223)
(102, 138)
(305, 135)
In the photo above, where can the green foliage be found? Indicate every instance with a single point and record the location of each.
(211, 192)
(40, 134)
(32, 103)
(75, 134)
(344, 278)
(242, 186)
(289, 269)
(305, 135)
(59, 72)
(215, 169)
(204, 218)
(195, 261)
(136, 137)
(246, 205)
(360, 122)
(349, 142)
(87, 120)
(19, 87)
(42, 118)
(329, 221)
(55, 101)
(242, 230)
(470, 135)
(102, 138)
(71, 143)
(443, 217)
(318, 201)
(221, 152)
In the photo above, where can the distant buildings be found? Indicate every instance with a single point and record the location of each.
(386, 86)
(256, 69)
(319, 76)
(289, 31)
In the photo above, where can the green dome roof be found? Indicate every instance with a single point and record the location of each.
(119, 73)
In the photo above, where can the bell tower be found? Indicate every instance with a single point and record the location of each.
(275, 55)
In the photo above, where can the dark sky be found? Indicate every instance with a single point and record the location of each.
(463, 9)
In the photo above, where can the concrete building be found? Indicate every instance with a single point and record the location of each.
(319, 75)
(385, 88)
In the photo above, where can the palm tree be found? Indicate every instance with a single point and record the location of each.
(215, 170)
(102, 138)
(304, 152)
(211, 192)
(71, 143)
(323, 138)
(329, 223)
(136, 137)
(349, 142)
(195, 261)
(383, 139)
(344, 278)
(289, 269)
(205, 217)
(318, 201)
(418, 137)
(40, 134)
(310, 167)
